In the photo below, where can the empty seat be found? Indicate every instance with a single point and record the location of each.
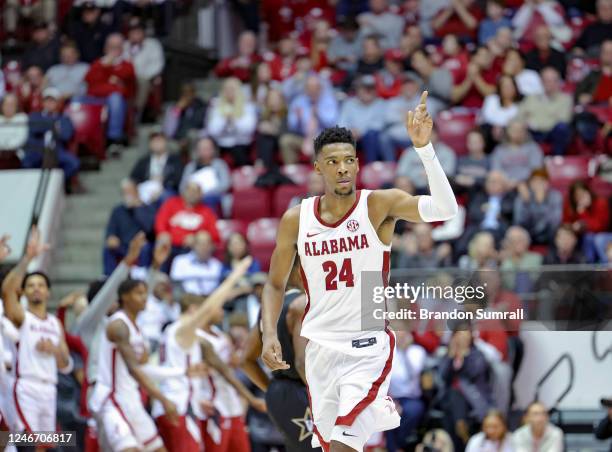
(453, 127)
(261, 234)
(245, 177)
(375, 174)
(228, 227)
(283, 196)
(251, 203)
(298, 173)
(562, 171)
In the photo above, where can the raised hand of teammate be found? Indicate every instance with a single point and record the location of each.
(35, 247)
(161, 252)
(5, 249)
(135, 247)
(272, 354)
(259, 404)
(419, 123)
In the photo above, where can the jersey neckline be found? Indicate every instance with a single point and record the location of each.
(339, 222)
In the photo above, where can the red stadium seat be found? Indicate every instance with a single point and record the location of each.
(251, 203)
(89, 127)
(297, 173)
(375, 174)
(562, 171)
(261, 235)
(601, 187)
(453, 127)
(283, 196)
(228, 227)
(245, 177)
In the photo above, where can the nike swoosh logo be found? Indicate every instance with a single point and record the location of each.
(312, 235)
(348, 434)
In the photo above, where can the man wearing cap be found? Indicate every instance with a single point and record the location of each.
(68, 76)
(89, 31)
(363, 114)
(50, 129)
(147, 56)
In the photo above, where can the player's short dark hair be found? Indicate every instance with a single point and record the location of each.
(333, 135)
(36, 273)
(127, 286)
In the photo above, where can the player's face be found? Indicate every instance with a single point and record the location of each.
(338, 165)
(36, 290)
(136, 300)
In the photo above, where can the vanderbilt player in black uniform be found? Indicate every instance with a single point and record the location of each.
(286, 394)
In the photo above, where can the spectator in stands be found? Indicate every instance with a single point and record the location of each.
(564, 250)
(181, 217)
(472, 169)
(209, 171)
(501, 43)
(160, 12)
(411, 41)
(319, 42)
(548, 115)
(38, 10)
(405, 388)
(159, 171)
(603, 430)
(241, 66)
(236, 249)
(502, 107)
(538, 430)
(528, 81)
(49, 129)
(363, 115)
(371, 60)
(231, 121)
(419, 250)
(596, 33)
(543, 54)
(541, 12)
(309, 113)
(198, 271)
(394, 133)
(407, 163)
(282, 64)
(436, 440)
(460, 18)
(467, 394)
(517, 260)
(479, 81)
(345, 48)
(389, 79)
(596, 87)
(517, 156)
(453, 57)
(538, 208)
(494, 21)
(89, 32)
(481, 253)
(490, 210)
(438, 81)
(271, 126)
(112, 78)
(147, 57)
(382, 22)
(30, 90)
(13, 124)
(125, 221)
(68, 76)
(44, 49)
(494, 435)
(316, 187)
(293, 86)
(261, 84)
(186, 115)
(584, 211)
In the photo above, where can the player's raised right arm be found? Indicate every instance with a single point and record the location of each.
(274, 290)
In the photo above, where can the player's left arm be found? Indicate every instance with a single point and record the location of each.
(65, 365)
(213, 360)
(250, 365)
(296, 311)
(440, 204)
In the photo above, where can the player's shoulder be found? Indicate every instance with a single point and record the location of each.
(291, 218)
(117, 330)
(384, 197)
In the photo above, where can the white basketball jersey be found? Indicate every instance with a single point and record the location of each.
(333, 258)
(225, 397)
(31, 363)
(182, 389)
(113, 377)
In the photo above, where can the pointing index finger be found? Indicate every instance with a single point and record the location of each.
(424, 97)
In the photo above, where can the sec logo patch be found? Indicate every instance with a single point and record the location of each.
(352, 225)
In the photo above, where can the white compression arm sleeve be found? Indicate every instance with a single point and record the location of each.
(441, 205)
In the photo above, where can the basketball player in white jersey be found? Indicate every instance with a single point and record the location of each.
(181, 347)
(123, 422)
(41, 349)
(338, 236)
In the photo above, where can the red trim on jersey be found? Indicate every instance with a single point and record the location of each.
(349, 418)
(17, 406)
(122, 414)
(150, 440)
(213, 388)
(324, 444)
(305, 284)
(113, 370)
(339, 222)
(386, 267)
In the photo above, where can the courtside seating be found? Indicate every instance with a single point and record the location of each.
(298, 173)
(251, 203)
(375, 174)
(283, 196)
(453, 127)
(562, 171)
(261, 235)
(89, 127)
